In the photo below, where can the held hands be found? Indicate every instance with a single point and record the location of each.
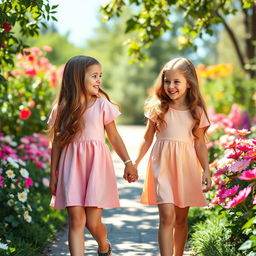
(206, 180)
(130, 173)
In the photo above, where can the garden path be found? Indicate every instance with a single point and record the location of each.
(132, 228)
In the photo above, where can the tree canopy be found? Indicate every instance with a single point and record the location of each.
(152, 18)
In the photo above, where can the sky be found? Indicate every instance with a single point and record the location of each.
(78, 17)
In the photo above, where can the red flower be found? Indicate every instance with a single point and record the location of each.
(7, 27)
(25, 114)
(248, 175)
(30, 72)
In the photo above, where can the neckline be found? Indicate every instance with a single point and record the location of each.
(185, 110)
(93, 103)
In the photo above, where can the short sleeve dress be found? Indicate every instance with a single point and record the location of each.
(86, 174)
(174, 174)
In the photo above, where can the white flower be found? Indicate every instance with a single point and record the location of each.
(22, 196)
(28, 218)
(10, 202)
(21, 162)
(46, 182)
(29, 207)
(24, 173)
(13, 186)
(13, 162)
(11, 196)
(10, 174)
(3, 246)
(26, 214)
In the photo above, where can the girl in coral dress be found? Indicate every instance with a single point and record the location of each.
(174, 181)
(82, 177)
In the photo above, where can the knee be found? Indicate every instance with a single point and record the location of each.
(77, 221)
(181, 221)
(167, 219)
(93, 227)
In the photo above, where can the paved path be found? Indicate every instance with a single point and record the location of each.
(132, 228)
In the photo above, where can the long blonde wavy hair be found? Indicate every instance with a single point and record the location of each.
(159, 103)
(69, 122)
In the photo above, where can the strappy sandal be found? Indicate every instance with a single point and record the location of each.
(106, 253)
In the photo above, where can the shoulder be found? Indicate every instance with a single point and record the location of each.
(199, 110)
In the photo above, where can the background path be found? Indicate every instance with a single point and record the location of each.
(132, 228)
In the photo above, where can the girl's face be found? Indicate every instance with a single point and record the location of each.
(175, 85)
(93, 80)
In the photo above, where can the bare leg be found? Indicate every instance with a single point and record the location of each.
(165, 234)
(77, 221)
(97, 228)
(180, 230)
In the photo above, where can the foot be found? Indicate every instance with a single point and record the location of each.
(108, 253)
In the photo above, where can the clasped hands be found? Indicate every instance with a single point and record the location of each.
(130, 172)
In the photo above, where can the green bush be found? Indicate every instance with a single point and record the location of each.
(211, 238)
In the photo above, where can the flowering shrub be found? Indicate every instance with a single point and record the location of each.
(22, 175)
(26, 101)
(221, 87)
(234, 186)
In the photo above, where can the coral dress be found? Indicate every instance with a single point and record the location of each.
(86, 174)
(174, 174)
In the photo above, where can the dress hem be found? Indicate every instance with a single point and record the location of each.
(178, 205)
(82, 205)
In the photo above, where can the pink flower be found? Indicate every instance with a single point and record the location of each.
(239, 166)
(244, 147)
(235, 156)
(220, 171)
(7, 27)
(250, 155)
(1, 181)
(254, 200)
(241, 196)
(47, 48)
(25, 114)
(39, 164)
(229, 192)
(248, 175)
(28, 182)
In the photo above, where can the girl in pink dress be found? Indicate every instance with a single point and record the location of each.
(82, 177)
(174, 181)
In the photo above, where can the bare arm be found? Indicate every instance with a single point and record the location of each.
(118, 145)
(146, 142)
(202, 154)
(55, 156)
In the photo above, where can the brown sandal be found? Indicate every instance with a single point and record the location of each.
(106, 253)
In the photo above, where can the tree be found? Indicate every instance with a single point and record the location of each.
(128, 83)
(153, 18)
(28, 16)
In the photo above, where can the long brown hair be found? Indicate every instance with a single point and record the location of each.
(158, 105)
(69, 122)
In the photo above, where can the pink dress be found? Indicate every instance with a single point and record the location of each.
(174, 174)
(86, 174)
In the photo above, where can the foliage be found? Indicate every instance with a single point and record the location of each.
(222, 87)
(62, 49)
(127, 83)
(26, 101)
(151, 19)
(234, 186)
(211, 238)
(28, 16)
(27, 221)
